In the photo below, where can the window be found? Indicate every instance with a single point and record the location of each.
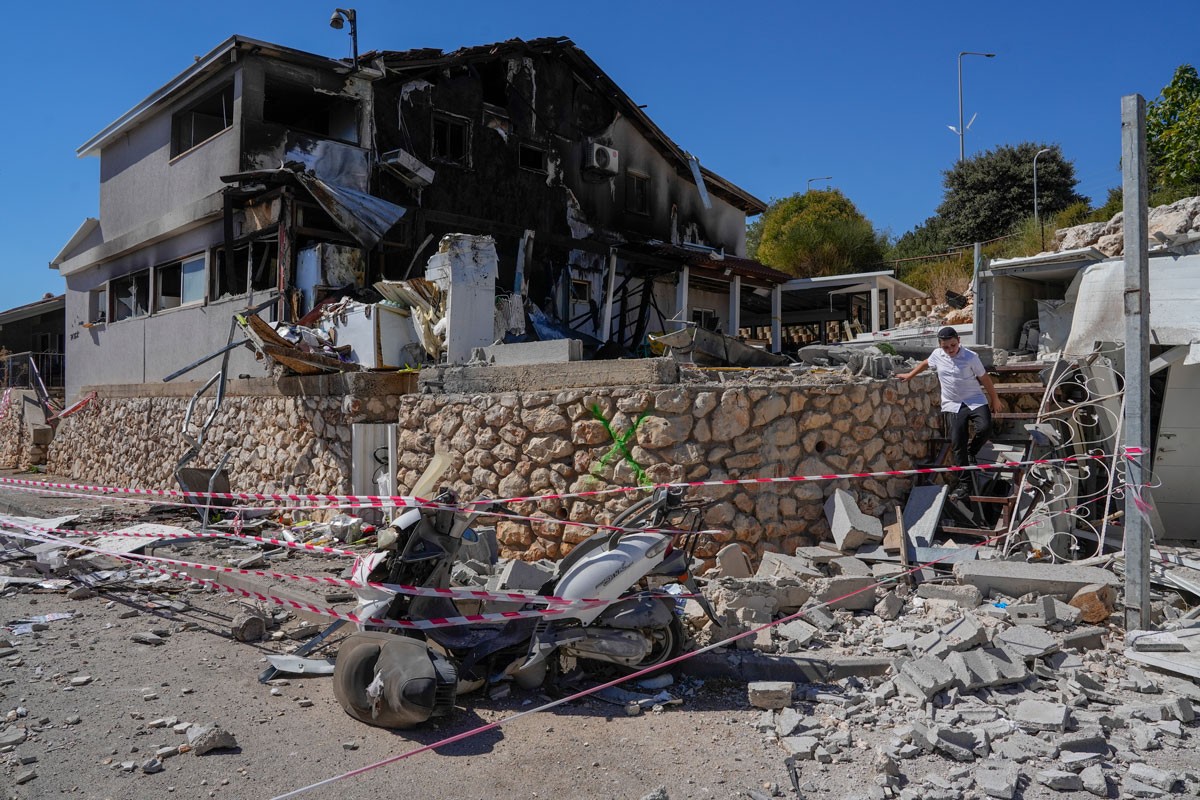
(581, 290)
(532, 157)
(300, 108)
(130, 296)
(97, 306)
(705, 318)
(180, 283)
(637, 193)
(451, 139)
(255, 267)
(202, 120)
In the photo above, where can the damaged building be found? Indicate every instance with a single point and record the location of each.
(265, 177)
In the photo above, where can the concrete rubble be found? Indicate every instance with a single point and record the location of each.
(1012, 670)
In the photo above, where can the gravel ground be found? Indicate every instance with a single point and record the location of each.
(96, 706)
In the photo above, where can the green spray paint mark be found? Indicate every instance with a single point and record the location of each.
(620, 446)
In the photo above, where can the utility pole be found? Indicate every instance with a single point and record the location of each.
(1137, 361)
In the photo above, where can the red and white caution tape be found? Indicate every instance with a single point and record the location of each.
(453, 592)
(383, 501)
(71, 409)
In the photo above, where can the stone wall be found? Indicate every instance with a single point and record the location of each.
(17, 417)
(1177, 219)
(290, 437)
(533, 443)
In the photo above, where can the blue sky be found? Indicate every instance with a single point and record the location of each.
(768, 94)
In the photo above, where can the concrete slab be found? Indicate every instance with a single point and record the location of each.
(923, 512)
(778, 565)
(471, 379)
(554, 351)
(733, 562)
(1017, 578)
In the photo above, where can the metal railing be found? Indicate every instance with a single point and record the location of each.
(32, 370)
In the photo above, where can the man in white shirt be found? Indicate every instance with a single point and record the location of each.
(963, 383)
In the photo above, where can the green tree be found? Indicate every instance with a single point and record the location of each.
(988, 194)
(1173, 133)
(815, 233)
(926, 239)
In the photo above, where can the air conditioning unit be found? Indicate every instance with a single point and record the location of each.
(599, 159)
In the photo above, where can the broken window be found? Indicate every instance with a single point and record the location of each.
(532, 157)
(130, 296)
(581, 290)
(180, 283)
(202, 120)
(254, 268)
(301, 108)
(97, 305)
(493, 82)
(705, 318)
(451, 139)
(637, 192)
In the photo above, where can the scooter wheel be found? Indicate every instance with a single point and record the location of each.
(668, 643)
(353, 673)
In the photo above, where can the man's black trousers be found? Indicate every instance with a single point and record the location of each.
(964, 446)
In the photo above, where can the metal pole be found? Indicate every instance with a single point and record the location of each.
(962, 145)
(1137, 358)
(808, 186)
(1037, 219)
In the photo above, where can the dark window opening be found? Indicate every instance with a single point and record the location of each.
(255, 265)
(493, 80)
(202, 120)
(130, 296)
(532, 158)
(299, 108)
(451, 140)
(637, 193)
(705, 318)
(581, 290)
(97, 305)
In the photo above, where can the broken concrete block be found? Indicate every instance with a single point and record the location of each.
(12, 736)
(1060, 780)
(819, 616)
(1039, 715)
(998, 779)
(732, 562)
(771, 694)
(818, 554)
(1021, 747)
(778, 565)
(889, 607)
(797, 631)
(1017, 578)
(967, 597)
(924, 677)
(519, 575)
(898, 641)
(1083, 639)
(1154, 642)
(965, 744)
(1095, 602)
(964, 633)
(145, 637)
(884, 571)
(986, 667)
(1093, 781)
(850, 526)
(852, 593)
(787, 722)
(1027, 642)
(803, 748)
(1073, 761)
(206, 739)
(850, 566)
(1153, 776)
(248, 627)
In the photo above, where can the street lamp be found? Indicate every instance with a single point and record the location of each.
(962, 131)
(1036, 219)
(808, 186)
(340, 17)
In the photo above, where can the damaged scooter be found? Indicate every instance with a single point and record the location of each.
(398, 678)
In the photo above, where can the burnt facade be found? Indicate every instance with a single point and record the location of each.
(265, 177)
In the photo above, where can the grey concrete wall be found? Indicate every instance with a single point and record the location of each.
(146, 349)
(140, 182)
